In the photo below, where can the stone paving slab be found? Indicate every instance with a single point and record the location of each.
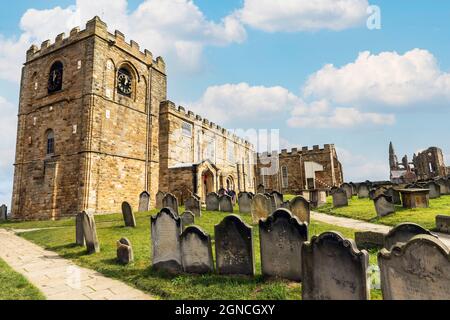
(59, 278)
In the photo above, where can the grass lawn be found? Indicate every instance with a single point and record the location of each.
(364, 209)
(140, 275)
(13, 286)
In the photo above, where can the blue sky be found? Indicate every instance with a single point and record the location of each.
(285, 65)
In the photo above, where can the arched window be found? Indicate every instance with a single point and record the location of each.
(50, 142)
(55, 77)
(124, 82)
(284, 176)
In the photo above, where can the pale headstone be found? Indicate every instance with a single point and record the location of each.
(212, 201)
(144, 202)
(3, 212)
(159, 199)
(90, 233)
(363, 190)
(281, 237)
(193, 205)
(187, 218)
(170, 201)
(334, 269)
(225, 203)
(348, 189)
(260, 207)
(245, 202)
(166, 248)
(383, 205)
(403, 233)
(443, 224)
(124, 251)
(300, 208)
(339, 198)
(234, 247)
(416, 270)
(79, 232)
(196, 251)
(128, 215)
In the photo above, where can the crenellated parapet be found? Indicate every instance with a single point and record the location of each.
(96, 27)
(295, 151)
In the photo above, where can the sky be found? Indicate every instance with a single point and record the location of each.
(356, 73)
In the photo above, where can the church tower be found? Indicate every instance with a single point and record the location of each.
(88, 124)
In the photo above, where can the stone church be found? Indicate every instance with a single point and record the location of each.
(95, 129)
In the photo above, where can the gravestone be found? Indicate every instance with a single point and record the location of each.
(348, 190)
(170, 201)
(196, 251)
(444, 187)
(334, 269)
(245, 202)
(383, 205)
(260, 207)
(279, 198)
(363, 190)
(234, 247)
(3, 212)
(369, 239)
(416, 270)
(281, 237)
(166, 248)
(128, 216)
(339, 198)
(395, 195)
(354, 189)
(402, 233)
(187, 218)
(435, 189)
(124, 251)
(415, 198)
(144, 202)
(159, 199)
(261, 189)
(193, 205)
(90, 233)
(300, 208)
(225, 203)
(273, 202)
(443, 224)
(79, 232)
(212, 202)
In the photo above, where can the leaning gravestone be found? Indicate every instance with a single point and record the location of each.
(234, 247)
(187, 218)
(193, 205)
(144, 202)
(128, 216)
(79, 232)
(403, 233)
(166, 248)
(212, 201)
(416, 270)
(170, 201)
(196, 251)
(281, 237)
(300, 208)
(348, 190)
(225, 203)
(334, 269)
(90, 233)
(3, 212)
(363, 191)
(159, 199)
(124, 251)
(260, 207)
(245, 202)
(383, 205)
(339, 198)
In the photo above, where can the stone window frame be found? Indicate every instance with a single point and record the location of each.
(49, 142)
(54, 65)
(134, 76)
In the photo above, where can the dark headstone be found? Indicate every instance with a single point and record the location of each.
(348, 189)
(128, 216)
(212, 201)
(234, 247)
(159, 199)
(144, 202)
(300, 208)
(187, 218)
(124, 251)
(3, 212)
(90, 233)
(403, 233)
(363, 190)
(435, 189)
(170, 201)
(369, 239)
(281, 238)
(196, 251)
(79, 232)
(225, 203)
(334, 269)
(245, 202)
(339, 198)
(443, 224)
(395, 195)
(383, 205)
(193, 205)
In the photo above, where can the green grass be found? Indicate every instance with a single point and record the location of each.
(13, 286)
(164, 286)
(364, 209)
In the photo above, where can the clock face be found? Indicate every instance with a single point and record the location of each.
(124, 83)
(55, 80)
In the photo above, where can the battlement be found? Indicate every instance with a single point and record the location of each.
(296, 151)
(170, 107)
(96, 27)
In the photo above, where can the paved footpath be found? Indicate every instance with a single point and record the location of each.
(59, 278)
(364, 226)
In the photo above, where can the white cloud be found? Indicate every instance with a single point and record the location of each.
(301, 15)
(359, 168)
(176, 29)
(388, 78)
